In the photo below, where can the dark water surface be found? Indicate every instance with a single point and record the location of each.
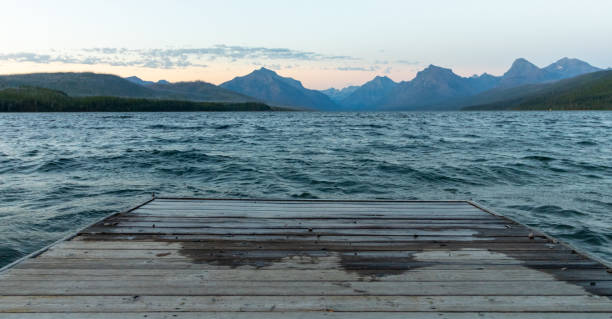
(552, 170)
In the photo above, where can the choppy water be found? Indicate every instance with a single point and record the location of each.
(59, 172)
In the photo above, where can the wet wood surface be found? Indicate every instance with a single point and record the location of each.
(191, 258)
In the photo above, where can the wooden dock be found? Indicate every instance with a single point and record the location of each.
(256, 259)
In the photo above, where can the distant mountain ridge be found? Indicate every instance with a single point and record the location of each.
(437, 88)
(338, 95)
(79, 84)
(36, 99)
(564, 69)
(568, 68)
(588, 91)
(523, 72)
(369, 94)
(434, 88)
(430, 87)
(199, 91)
(269, 87)
(95, 84)
(139, 81)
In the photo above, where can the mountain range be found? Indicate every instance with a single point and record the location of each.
(588, 91)
(95, 84)
(434, 88)
(437, 88)
(139, 81)
(431, 87)
(267, 86)
(371, 93)
(338, 95)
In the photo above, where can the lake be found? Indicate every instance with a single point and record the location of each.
(551, 170)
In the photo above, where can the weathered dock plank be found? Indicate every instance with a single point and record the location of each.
(310, 315)
(191, 258)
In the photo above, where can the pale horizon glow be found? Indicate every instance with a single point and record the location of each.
(321, 43)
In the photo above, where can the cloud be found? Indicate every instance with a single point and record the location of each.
(358, 68)
(408, 62)
(26, 57)
(171, 58)
(274, 67)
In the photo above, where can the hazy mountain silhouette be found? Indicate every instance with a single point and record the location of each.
(430, 87)
(483, 82)
(567, 68)
(370, 94)
(79, 84)
(587, 91)
(437, 88)
(339, 95)
(199, 91)
(139, 81)
(94, 84)
(434, 88)
(523, 72)
(269, 87)
(524, 81)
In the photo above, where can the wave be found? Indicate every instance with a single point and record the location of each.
(552, 210)
(117, 117)
(375, 126)
(586, 235)
(540, 158)
(60, 164)
(175, 127)
(9, 254)
(167, 127)
(191, 155)
(304, 195)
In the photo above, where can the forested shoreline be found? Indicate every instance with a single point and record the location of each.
(34, 99)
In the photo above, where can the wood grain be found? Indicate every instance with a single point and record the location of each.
(174, 258)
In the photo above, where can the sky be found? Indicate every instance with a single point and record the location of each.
(321, 43)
